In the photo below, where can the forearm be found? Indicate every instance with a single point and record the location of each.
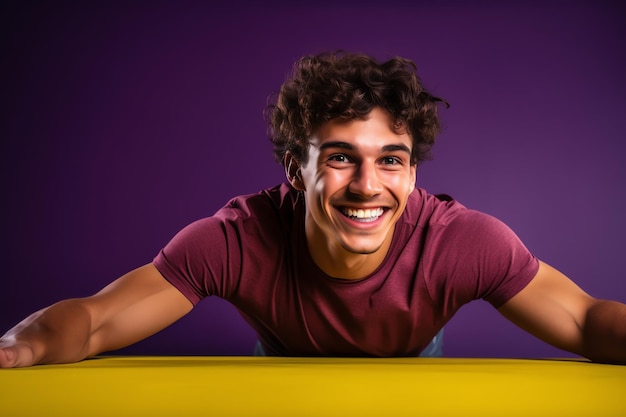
(604, 332)
(57, 334)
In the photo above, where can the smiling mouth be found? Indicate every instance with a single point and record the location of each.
(363, 215)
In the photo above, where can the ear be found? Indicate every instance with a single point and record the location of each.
(413, 178)
(293, 172)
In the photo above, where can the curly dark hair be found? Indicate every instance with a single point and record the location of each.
(347, 86)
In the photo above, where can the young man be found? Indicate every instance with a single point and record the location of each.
(346, 259)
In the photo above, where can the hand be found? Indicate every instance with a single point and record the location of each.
(16, 354)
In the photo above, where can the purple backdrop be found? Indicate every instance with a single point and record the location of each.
(122, 123)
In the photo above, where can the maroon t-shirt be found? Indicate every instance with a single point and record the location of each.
(253, 253)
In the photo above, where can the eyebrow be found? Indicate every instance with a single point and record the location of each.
(344, 145)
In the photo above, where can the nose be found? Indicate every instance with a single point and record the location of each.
(365, 182)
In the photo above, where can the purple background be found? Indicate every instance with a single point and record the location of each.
(121, 123)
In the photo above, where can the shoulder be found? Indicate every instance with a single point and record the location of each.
(475, 254)
(281, 200)
(442, 214)
(261, 214)
(481, 232)
(424, 210)
(209, 254)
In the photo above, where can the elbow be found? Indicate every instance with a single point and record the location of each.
(604, 333)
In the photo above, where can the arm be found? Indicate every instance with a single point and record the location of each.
(129, 309)
(557, 311)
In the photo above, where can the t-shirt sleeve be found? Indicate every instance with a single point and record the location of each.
(477, 256)
(198, 262)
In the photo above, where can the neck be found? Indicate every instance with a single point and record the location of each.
(337, 262)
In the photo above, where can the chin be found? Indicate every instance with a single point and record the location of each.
(361, 250)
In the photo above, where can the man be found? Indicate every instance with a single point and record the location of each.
(346, 259)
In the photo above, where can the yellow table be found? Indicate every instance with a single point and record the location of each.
(265, 386)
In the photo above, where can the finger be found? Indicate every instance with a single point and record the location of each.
(17, 355)
(8, 357)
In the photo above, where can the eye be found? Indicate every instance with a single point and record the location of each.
(339, 158)
(391, 160)
(339, 161)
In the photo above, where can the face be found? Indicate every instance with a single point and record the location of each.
(356, 183)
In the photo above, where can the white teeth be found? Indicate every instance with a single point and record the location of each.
(365, 214)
